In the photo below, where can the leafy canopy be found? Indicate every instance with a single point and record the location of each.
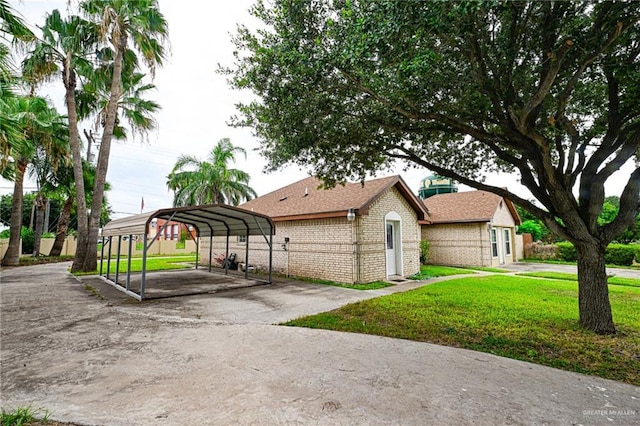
(549, 90)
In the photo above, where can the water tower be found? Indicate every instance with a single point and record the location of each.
(435, 184)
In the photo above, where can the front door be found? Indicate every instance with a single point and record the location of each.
(391, 248)
(501, 245)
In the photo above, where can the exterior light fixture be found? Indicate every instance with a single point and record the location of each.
(351, 215)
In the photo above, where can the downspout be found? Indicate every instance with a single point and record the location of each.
(358, 249)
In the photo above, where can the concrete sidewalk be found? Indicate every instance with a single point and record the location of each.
(215, 359)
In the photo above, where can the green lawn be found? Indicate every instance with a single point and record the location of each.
(516, 317)
(433, 271)
(365, 286)
(153, 264)
(633, 282)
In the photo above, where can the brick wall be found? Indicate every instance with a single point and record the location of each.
(327, 249)
(469, 244)
(459, 244)
(372, 235)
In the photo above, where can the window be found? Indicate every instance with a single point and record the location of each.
(507, 242)
(494, 243)
(389, 236)
(242, 239)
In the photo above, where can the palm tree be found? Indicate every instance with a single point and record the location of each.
(133, 106)
(197, 182)
(121, 21)
(62, 185)
(12, 30)
(43, 168)
(38, 123)
(12, 26)
(66, 45)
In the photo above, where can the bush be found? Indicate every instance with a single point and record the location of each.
(424, 251)
(567, 252)
(620, 254)
(540, 251)
(28, 240)
(616, 254)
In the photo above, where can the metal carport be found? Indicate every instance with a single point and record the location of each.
(209, 221)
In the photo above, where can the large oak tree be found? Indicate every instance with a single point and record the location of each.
(550, 90)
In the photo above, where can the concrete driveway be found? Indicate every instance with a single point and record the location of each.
(570, 269)
(216, 359)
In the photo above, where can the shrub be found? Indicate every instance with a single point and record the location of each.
(567, 252)
(424, 251)
(620, 254)
(541, 251)
(28, 240)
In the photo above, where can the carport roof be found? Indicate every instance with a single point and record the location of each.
(214, 219)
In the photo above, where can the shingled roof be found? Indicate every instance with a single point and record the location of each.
(303, 199)
(471, 206)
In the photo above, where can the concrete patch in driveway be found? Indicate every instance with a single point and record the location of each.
(215, 359)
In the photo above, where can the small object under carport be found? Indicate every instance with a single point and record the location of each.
(250, 268)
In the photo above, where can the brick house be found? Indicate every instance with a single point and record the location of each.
(172, 230)
(475, 228)
(352, 233)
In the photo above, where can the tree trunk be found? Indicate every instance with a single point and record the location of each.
(102, 166)
(12, 256)
(593, 292)
(63, 227)
(39, 223)
(74, 141)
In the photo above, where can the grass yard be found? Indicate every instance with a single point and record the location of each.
(516, 317)
(366, 286)
(433, 271)
(633, 282)
(153, 264)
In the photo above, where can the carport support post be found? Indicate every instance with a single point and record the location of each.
(226, 257)
(129, 263)
(118, 258)
(144, 266)
(270, 255)
(197, 250)
(109, 256)
(210, 250)
(101, 255)
(246, 256)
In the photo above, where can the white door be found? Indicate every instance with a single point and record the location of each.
(391, 248)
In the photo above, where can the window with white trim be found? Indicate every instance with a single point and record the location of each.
(494, 243)
(242, 239)
(507, 242)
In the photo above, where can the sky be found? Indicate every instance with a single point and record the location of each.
(197, 104)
